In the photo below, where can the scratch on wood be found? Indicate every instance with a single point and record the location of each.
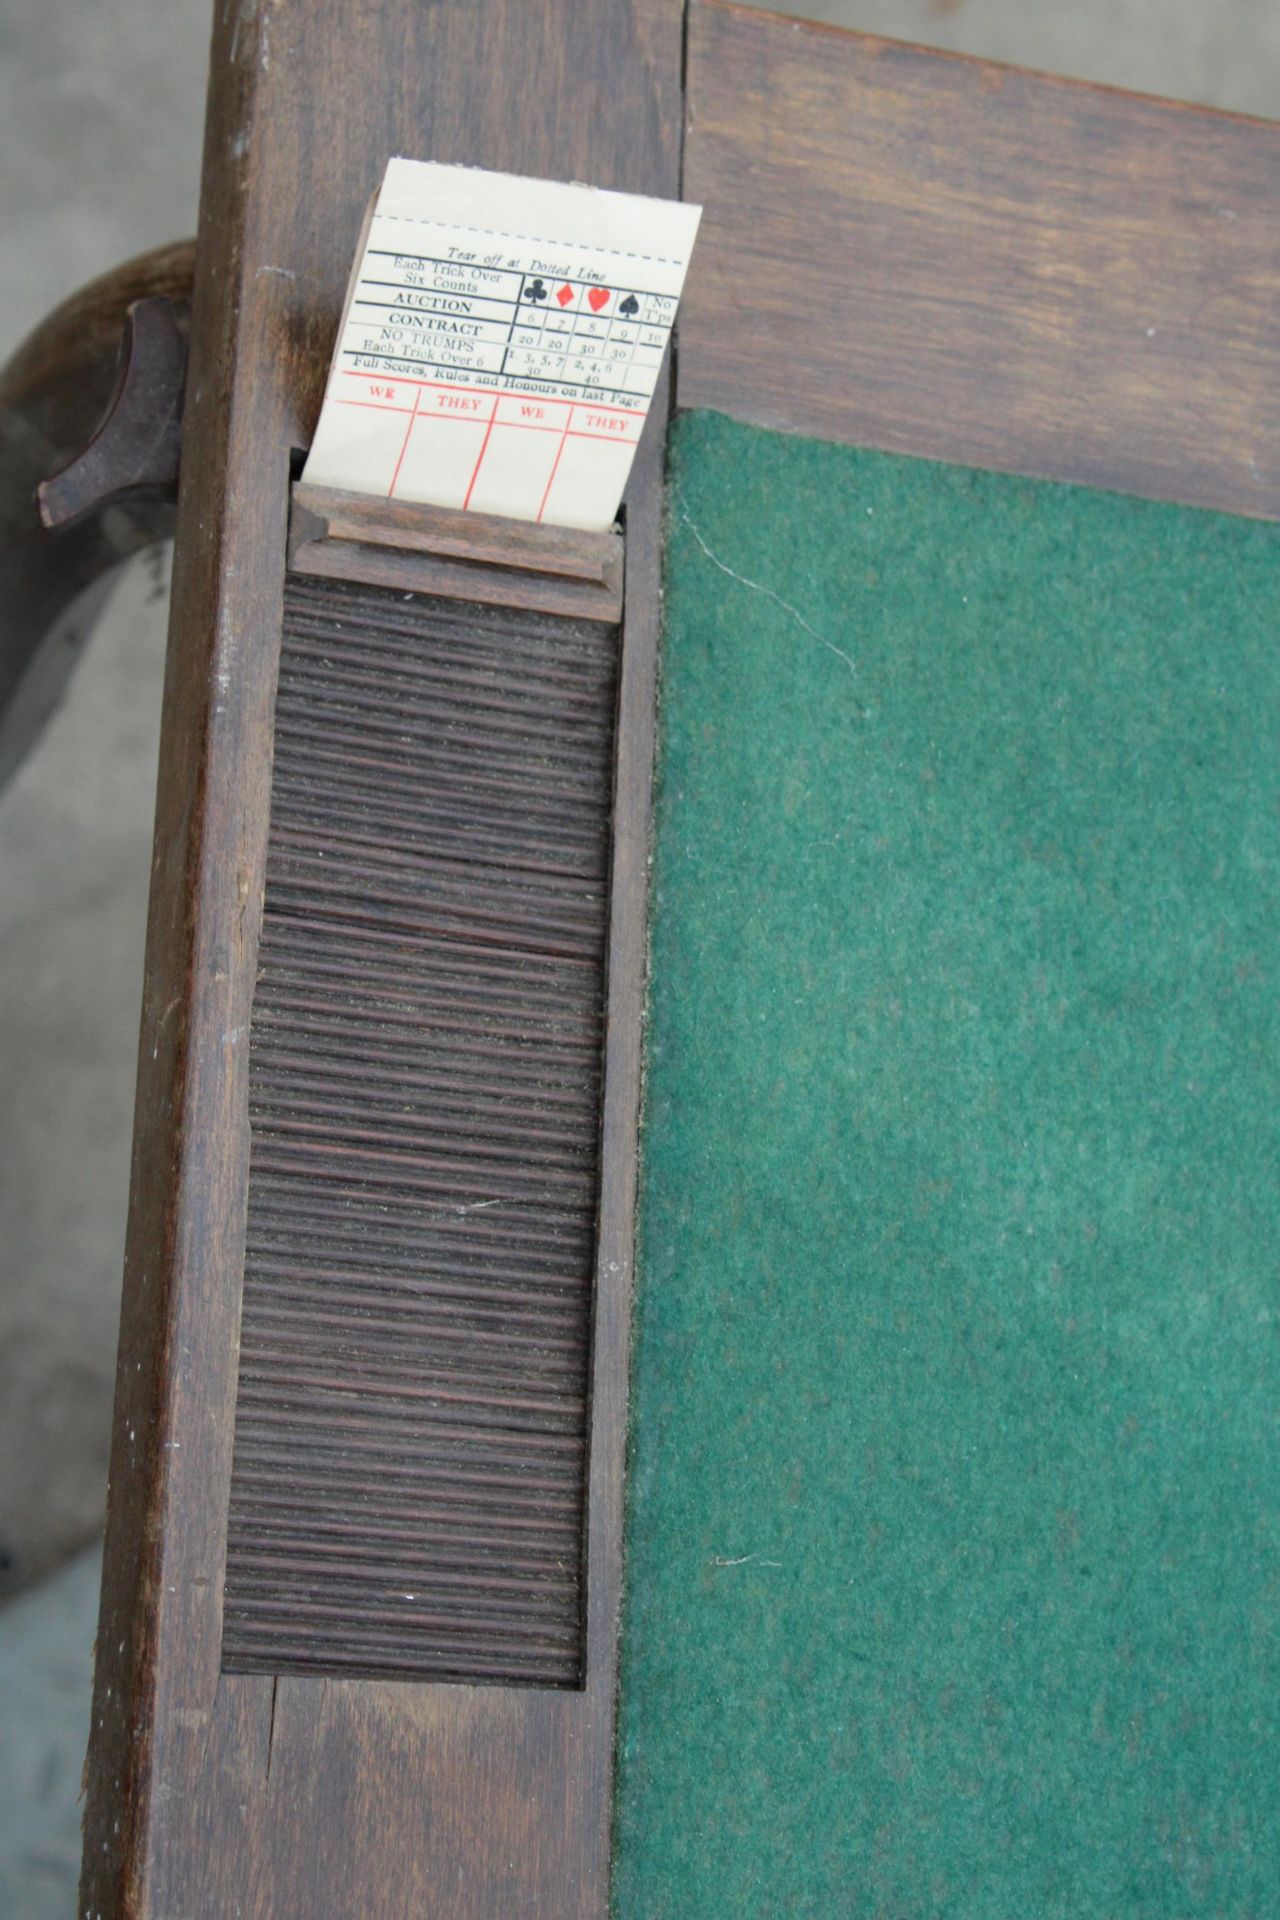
(271, 1731)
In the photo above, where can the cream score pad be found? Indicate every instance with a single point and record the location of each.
(501, 342)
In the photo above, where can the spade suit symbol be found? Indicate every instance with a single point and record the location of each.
(535, 292)
(630, 306)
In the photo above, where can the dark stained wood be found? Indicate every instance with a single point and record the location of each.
(53, 394)
(469, 556)
(213, 1793)
(136, 449)
(939, 256)
(425, 1063)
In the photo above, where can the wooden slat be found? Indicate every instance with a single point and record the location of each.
(551, 569)
(939, 256)
(212, 1793)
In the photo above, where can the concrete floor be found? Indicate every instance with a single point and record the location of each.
(100, 110)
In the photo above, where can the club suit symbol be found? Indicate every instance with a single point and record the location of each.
(536, 291)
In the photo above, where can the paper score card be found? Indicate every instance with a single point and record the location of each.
(501, 343)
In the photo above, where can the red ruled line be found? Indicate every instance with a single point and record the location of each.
(555, 468)
(450, 386)
(503, 426)
(404, 447)
(484, 444)
(375, 406)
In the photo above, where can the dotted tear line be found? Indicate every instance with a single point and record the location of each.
(529, 239)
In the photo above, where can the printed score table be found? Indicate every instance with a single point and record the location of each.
(497, 371)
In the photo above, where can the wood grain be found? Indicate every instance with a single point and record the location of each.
(939, 256)
(425, 1055)
(212, 1793)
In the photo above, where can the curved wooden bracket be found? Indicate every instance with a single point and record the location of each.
(107, 426)
(135, 449)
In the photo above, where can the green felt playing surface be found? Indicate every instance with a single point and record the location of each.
(953, 1575)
